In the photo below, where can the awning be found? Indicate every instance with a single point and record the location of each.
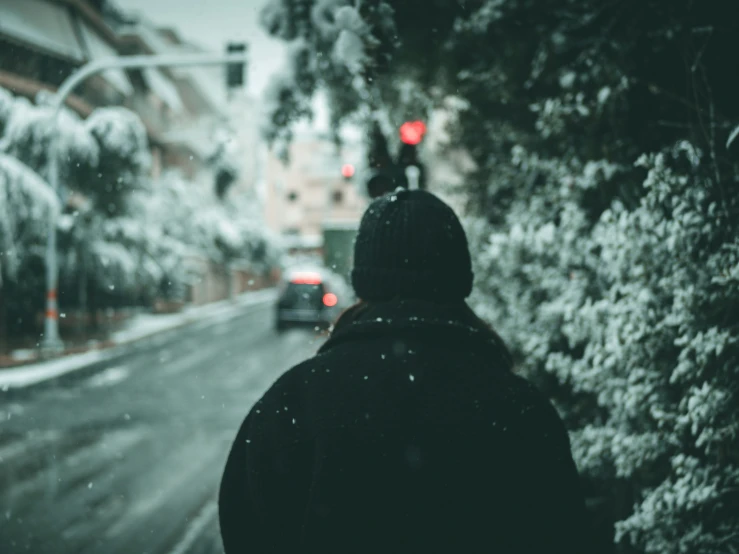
(41, 24)
(163, 88)
(99, 49)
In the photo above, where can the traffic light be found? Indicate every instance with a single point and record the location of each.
(378, 153)
(382, 172)
(412, 171)
(412, 132)
(347, 171)
(235, 71)
(406, 170)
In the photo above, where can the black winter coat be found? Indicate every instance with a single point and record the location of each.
(407, 433)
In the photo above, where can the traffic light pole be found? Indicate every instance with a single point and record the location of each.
(51, 343)
(413, 174)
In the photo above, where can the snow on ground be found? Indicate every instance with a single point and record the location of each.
(143, 325)
(136, 328)
(36, 373)
(109, 377)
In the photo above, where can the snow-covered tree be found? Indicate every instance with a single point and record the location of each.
(27, 207)
(32, 133)
(225, 168)
(123, 160)
(6, 107)
(127, 240)
(214, 229)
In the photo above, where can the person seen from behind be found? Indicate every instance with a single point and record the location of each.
(408, 432)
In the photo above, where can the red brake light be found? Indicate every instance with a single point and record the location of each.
(306, 279)
(330, 300)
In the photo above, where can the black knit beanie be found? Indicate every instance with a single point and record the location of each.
(411, 245)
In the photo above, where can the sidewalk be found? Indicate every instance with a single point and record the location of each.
(137, 328)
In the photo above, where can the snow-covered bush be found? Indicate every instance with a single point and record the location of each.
(631, 326)
(661, 356)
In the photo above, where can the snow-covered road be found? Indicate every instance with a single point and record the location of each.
(128, 459)
(140, 327)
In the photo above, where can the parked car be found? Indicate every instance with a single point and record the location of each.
(311, 297)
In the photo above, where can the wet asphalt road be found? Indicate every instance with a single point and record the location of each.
(128, 460)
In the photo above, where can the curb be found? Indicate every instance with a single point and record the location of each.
(80, 366)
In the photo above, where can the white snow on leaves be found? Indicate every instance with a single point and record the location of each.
(25, 199)
(349, 50)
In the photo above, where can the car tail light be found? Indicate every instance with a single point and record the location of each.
(306, 279)
(330, 300)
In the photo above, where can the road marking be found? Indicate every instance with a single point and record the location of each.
(109, 377)
(196, 528)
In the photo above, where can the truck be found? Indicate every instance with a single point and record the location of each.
(338, 246)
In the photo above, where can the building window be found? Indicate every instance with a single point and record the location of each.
(292, 196)
(338, 197)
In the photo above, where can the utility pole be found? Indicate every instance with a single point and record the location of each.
(413, 174)
(52, 343)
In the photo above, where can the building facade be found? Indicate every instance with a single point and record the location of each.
(309, 192)
(187, 112)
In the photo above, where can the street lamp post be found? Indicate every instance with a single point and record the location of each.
(52, 343)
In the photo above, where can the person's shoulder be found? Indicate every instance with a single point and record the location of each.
(530, 401)
(297, 374)
(526, 388)
(291, 381)
(273, 415)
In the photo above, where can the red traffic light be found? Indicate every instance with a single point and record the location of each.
(412, 132)
(347, 171)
